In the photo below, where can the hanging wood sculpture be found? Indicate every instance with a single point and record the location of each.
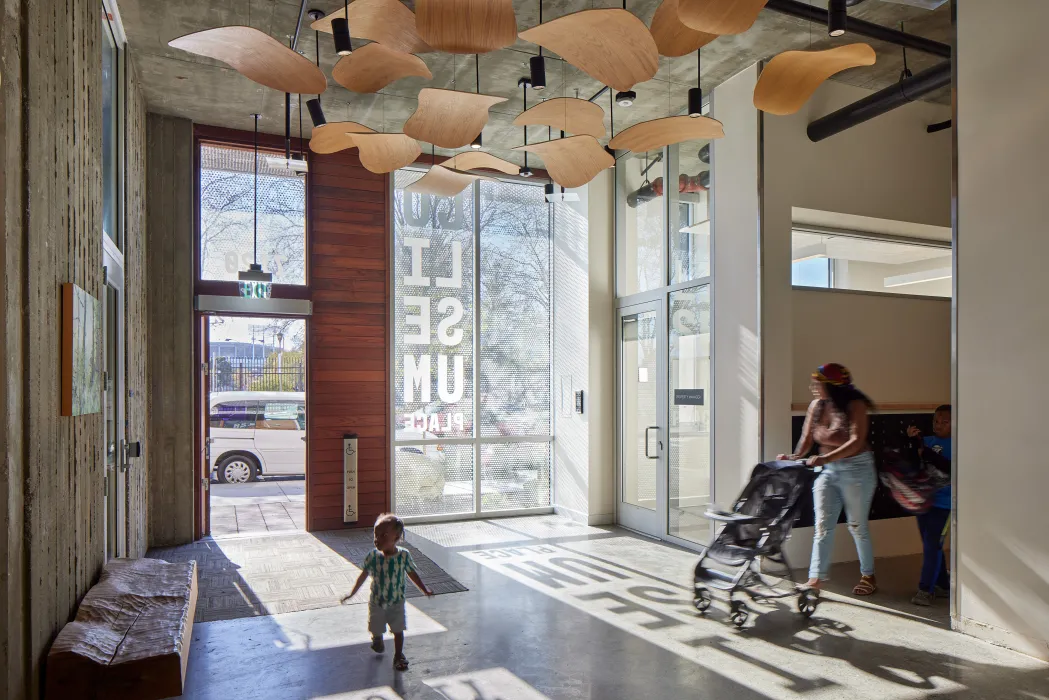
(466, 26)
(658, 133)
(443, 182)
(257, 56)
(572, 161)
(384, 153)
(372, 67)
(448, 118)
(789, 80)
(612, 46)
(477, 160)
(673, 37)
(719, 16)
(388, 22)
(569, 114)
(336, 136)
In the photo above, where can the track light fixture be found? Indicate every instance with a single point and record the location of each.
(314, 105)
(316, 112)
(340, 30)
(625, 99)
(536, 64)
(837, 17)
(537, 68)
(695, 95)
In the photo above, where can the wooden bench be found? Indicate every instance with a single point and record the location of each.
(130, 638)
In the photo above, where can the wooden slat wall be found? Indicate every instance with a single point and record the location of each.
(349, 336)
(135, 324)
(169, 254)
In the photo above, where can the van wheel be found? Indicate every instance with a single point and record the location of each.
(237, 469)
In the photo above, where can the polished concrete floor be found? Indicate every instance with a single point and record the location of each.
(271, 505)
(559, 610)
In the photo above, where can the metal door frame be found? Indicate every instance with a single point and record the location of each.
(113, 262)
(628, 515)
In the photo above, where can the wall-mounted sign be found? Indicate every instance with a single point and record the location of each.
(349, 478)
(688, 397)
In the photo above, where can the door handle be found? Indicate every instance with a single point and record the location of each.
(651, 427)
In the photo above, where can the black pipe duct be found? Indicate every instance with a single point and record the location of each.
(939, 126)
(883, 101)
(861, 27)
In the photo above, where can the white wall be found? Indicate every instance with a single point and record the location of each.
(1001, 465)
(887, 168)
(736, 262)
(584, 355)
(898, 348)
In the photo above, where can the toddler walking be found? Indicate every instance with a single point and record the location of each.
(388, 565)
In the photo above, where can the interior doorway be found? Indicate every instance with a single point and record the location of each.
(255, 432)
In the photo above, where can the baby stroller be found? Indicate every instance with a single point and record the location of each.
(759, 524)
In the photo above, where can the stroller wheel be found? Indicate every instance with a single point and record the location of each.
(807, 602)
(701, 600)
(738, 613)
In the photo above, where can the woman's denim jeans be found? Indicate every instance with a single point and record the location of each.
(849, 482)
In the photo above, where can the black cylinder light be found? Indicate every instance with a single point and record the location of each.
(695, 102)
(340, 29)
(837, 17)
(625, 99)
(537, 67)
(704, 153)
(476, 143)
(316, 112)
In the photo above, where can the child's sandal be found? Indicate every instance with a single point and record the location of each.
(400, 663)
(378, 646)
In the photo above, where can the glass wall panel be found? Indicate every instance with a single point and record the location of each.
(515, 475)
(433, 479)
(639, 204)
(433, 313)
(689, 413)
(640, 392)
(514, 381)
(110, 130)
(437, 326)
(227, 200)
(689, 211)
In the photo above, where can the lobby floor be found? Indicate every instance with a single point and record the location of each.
(560, 610)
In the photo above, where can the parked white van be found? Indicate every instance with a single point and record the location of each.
(257, 433)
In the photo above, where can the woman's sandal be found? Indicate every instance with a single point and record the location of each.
(867, 586)
(400, 663)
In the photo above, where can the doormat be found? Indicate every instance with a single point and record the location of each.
(288, 573)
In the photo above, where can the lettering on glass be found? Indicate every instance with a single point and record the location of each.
(433, 361)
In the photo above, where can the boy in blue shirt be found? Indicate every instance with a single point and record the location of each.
(933, 524)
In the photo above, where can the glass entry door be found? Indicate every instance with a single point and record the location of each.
(642, 422)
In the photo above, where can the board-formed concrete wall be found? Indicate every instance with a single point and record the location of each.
(52, 544)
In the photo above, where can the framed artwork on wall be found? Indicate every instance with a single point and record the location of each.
(81, 352)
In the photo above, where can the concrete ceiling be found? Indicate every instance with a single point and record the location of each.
(208, 92)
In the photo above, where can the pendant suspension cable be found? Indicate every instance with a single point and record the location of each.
(302, 151)
(317, 44)
(255, 217)
(524, 99)
(477, 71)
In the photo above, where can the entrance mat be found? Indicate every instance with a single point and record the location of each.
(286, 573)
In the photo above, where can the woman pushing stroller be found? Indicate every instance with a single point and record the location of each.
(837, 422)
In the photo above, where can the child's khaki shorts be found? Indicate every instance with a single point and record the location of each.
(380, 617)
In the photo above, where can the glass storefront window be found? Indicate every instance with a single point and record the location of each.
(227, 201)
(689, 398)
(640, 205)
(690, 211)
(461, 447)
